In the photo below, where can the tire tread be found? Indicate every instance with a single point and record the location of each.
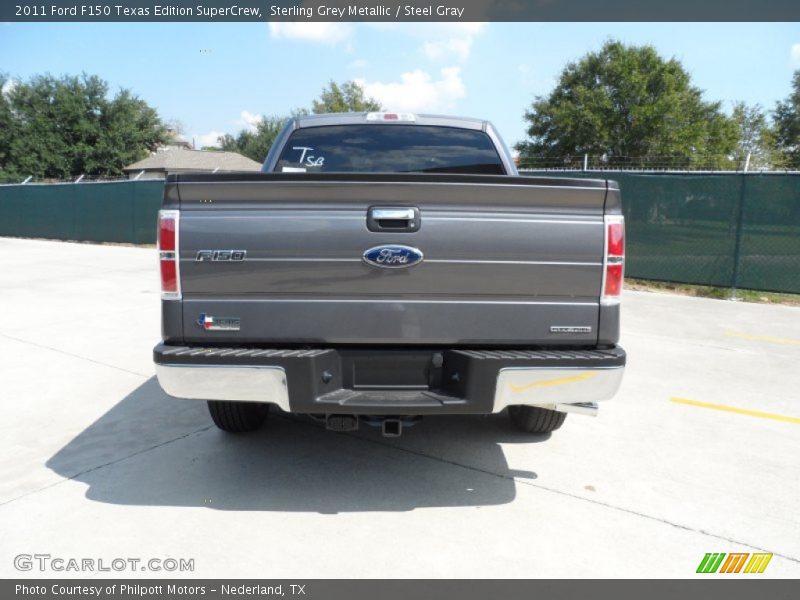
(237, 417)
(533, 419)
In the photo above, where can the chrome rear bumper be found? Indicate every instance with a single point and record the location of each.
(223, 382)
(563, 389)
(330, 381)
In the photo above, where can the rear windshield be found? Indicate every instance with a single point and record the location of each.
(390, 149)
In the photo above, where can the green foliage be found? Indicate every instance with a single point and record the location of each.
(64, 127)
(7, 132)
(787, 125)
(626, 103)
(347, 97)
(254, 144)
(756, 137)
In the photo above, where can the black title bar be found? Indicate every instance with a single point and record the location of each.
(402, 10)
(394, 589)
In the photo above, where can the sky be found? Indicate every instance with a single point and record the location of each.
(217, 78)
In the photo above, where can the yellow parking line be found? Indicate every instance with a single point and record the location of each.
(740, 411)
(763, 338)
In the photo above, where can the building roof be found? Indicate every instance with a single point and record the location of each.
(175, 159)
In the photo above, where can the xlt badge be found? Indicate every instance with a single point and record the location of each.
(570, 329)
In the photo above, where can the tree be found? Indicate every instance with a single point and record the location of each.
(348, 97)
(7, 130)
(254, 144)
(756, 137)
(786, 120)
(631, 107)
(64, 127)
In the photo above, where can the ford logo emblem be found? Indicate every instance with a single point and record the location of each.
(392, 256)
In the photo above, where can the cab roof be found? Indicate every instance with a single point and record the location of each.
(356, 118)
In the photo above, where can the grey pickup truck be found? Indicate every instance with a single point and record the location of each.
(387, 266)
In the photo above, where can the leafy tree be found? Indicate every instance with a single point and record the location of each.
(7, 130)
(64, 127)
(787, 125)
(347, 97)
(254, 144)
(631, 107)
(756, 137)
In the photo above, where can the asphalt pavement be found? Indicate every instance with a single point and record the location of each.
(698, 453)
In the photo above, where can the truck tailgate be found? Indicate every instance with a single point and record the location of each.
(530, 250)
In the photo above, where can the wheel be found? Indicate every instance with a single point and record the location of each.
(238, 417)
(533, 419)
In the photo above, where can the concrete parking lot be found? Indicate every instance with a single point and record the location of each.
(699, 452)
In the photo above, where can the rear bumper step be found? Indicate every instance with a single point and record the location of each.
(393, 382)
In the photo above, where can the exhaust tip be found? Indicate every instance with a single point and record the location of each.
(341, 422)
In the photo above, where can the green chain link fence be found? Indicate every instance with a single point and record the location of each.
(727, 229)
(722, 229)
(123, 211)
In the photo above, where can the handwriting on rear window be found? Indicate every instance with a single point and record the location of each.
(307, 159)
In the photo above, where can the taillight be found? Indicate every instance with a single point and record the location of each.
(168, 254)
(613, 257)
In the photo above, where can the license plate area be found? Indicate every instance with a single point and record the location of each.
(391, 369)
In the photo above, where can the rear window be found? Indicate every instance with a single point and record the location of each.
(390, 149)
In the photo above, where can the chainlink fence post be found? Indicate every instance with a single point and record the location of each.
(737, 249)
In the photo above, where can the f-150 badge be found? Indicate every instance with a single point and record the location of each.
(392, 256)
(210, 323)
(220, 255)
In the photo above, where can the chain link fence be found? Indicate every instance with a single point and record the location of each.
(696, 162)
(121, 211)
(738, 230)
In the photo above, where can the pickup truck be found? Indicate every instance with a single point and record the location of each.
(387, 266)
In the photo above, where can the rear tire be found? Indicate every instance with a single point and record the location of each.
(238, 417)
(533, 419)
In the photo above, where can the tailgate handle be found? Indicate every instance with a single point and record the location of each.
(395, 219)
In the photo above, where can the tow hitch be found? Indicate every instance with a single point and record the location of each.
(390, 426)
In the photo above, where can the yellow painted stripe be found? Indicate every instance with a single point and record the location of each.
(753, 561)
(740, 411)
(764, 564)
(553, 382)
(763, 338)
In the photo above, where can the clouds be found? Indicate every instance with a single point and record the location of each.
(794, 54)
(358, 64)
(249, 120)
(458, 48)
(322, 32)
(438, 42)
(205, 140)
(447, 41)
(418, 90)
(446, 47)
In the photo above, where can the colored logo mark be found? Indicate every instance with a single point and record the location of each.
(735, 562)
